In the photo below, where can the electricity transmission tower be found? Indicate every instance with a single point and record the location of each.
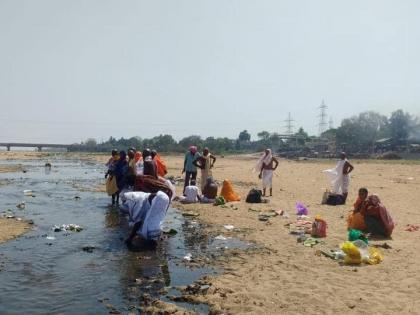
(322, 125)
(289, 125)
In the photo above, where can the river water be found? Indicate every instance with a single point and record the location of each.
(47, 272)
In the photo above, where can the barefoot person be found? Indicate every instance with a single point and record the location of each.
(190, 169)
(146, 212)
(205, 163)
(209, 191)
(266, 165)
(339, 176)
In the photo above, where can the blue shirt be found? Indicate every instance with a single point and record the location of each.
(188, 162)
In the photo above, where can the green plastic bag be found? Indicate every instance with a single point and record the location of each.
(357, 235)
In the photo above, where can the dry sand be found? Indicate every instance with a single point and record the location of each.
(288, 278)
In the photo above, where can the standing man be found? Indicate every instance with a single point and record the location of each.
(190, 169)
(205, 163)
(266, 165)
(339, 176)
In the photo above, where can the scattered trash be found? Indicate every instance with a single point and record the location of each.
(190, 214)
(77, 197)
(357, 235)
(10, 216)
(311, 242)
(301, 209)
(27, 192)
(21, 205)
(358, 251)
(319, 227)
(188, 257)
(229, 227)
(50, 238)
(263, 217)
(412, 228)
(254, 210)
(220, 238)
(219, 201)
(18, 219)
(88, 248)
(171, 232)
(67, 227)
(384, 246)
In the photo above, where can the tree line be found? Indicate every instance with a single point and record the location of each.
(357, 134)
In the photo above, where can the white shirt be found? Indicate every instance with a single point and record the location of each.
(191, 193)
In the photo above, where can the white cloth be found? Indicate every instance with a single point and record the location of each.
(137, 204)
(339, 181)
(267, 178)
(152, 224)
(265, 159)
(191, 194)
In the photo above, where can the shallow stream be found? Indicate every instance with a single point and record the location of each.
(47, 272)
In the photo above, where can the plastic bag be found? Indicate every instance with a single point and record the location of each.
(357, 235)
(375, 256)
(301, 209)
(111, 185)
(319, 227)
(353, 255)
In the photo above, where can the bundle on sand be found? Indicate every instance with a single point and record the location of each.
(228, 193)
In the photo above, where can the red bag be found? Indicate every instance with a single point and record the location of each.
(319, 228)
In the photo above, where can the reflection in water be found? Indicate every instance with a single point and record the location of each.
(55, 275)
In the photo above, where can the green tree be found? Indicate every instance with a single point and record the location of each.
(244, 136)
(263, 135)
(400, 124)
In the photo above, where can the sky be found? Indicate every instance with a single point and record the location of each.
(75, 69)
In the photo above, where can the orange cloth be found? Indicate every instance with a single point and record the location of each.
(228, 193)
(161, 168)
(356, 221)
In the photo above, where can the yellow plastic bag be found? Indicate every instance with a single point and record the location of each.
(111, 185)
(353, 256)
(375, 256)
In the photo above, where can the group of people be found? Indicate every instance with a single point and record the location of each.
(369, 214)
(137, 178)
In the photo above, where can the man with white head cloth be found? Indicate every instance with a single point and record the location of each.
(266, 165)
(146, 213)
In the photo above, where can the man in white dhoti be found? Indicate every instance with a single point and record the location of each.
(265, 167)
(146, 213)
(339, 176)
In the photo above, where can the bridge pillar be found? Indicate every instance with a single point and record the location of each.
(39, 149)
(8, 148)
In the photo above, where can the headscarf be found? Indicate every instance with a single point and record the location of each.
(374, 201)
(265, 159)
(137, 156)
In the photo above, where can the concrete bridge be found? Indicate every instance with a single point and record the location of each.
(39, 146)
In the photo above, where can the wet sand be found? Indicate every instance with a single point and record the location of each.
(11, 228)
(288, 278)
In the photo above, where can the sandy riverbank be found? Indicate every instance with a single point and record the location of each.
(288, 278)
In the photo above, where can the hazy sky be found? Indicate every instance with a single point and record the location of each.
(70, 70)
